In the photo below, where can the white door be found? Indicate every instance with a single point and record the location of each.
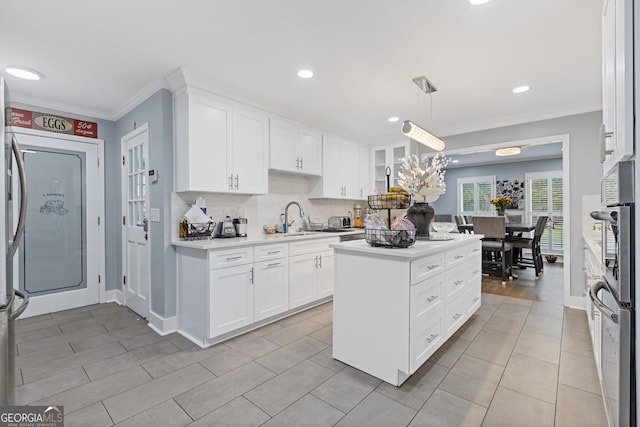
(545, 197)
(135, 236)
(60, 262)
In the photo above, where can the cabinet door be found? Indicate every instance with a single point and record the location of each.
(302, 279)
(209, 134)
(332, 184)
(366, 186)
(379, 170)
(310, 151)
(230, 299)
(349, 170)
(249, 152)
(324, 287)
(271, 288)
(283, 149)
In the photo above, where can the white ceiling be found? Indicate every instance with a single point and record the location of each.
(96, 57)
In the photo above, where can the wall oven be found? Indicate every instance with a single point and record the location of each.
(614, 296)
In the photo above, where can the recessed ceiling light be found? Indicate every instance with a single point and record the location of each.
(478, 2)
(521, 89)
(455, 161)
(23, 73)
(393, 119)
(509, 151)
(305, 74)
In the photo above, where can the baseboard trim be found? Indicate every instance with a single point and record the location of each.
(114, 295)
(163, 325)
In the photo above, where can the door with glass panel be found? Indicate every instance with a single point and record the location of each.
(474, 195)
(545, 197)
(135, 253)
(59, 258)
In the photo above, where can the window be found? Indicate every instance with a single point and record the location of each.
(475, 194)
(545, 197)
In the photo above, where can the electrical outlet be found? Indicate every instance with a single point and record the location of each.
(154, 215)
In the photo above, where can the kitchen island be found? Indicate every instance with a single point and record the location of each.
(393, 308)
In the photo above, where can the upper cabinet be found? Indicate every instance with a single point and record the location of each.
(213, 137)
(388, 156)
(617, 129)
(295, 148)
(341, 170)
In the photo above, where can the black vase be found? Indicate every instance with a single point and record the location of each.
(421, 215)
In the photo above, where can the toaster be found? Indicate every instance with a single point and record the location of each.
(339, 222)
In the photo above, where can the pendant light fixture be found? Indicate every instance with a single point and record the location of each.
(414, 131)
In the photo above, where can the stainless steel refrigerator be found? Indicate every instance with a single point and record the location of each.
(614, 296)
(10, 235)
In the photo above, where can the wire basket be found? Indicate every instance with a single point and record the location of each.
(390, 238)
(389, 201)
(195, 231)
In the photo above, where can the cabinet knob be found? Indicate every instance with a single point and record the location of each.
(431, 338)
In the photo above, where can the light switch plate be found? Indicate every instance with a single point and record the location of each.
(154, 215)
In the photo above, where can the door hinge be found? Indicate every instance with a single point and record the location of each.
(124, 220)
(99, 278)
(124, 280)
(122, 160)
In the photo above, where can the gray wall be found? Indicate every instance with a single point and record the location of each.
(584, 167)
(447, 203)
(157, 111)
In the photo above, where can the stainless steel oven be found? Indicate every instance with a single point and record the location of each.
(614, 296)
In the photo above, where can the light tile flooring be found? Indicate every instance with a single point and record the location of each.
(517, 362)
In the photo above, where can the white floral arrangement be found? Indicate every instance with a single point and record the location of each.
(424, 181)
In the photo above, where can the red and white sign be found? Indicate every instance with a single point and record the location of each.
(51, 123)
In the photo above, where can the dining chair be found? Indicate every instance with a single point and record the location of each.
(514, 219)
(495, 243)
(443, 218)
(459, 220)
(533, 244)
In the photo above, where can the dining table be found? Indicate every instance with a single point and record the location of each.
(511, 228)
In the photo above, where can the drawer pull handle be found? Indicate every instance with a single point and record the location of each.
(275, 264)
(457, 316)
(432, 266)
(459, 256)
(233, 258)
(273, 252)
(476, 299)
(431, 338)
(475, 272)
(457, 282)
(476, 250)
(432, 297)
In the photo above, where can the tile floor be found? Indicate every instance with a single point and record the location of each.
(517, 362)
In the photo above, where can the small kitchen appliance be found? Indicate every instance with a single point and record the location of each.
(225, 228)
(339, 222)
(240, 225)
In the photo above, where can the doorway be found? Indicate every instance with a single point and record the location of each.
(61, 257)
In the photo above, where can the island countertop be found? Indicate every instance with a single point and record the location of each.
(420, 249)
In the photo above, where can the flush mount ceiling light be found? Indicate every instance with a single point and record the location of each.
(23, 73)
(478, 2)
(455, 161)
(305, 74)
(420, 135)
(393, 119)
(521, 89)
(509, 151)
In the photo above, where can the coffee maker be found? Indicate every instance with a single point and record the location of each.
(240, 223)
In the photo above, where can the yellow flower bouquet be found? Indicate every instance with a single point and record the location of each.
(501, 203)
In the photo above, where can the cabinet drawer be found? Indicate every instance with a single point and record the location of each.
(230, 257)
(267, 252)
(473, 296)
(456, 256)
(426, 299)
(310, 246)
(475, 249)
(424, 268)
(455, 280)
(424, 342)
(454, 315)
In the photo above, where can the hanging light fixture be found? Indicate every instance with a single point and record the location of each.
(509, 151)
(420, 135)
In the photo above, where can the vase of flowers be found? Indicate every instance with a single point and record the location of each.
(502, 203)
(424, 180)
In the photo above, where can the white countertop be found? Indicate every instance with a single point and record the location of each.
(594, 245)
(261, 239)
(420, 249)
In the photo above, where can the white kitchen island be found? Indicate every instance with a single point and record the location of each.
(393, 308)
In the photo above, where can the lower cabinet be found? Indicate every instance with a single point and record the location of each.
(310, 277)
(230, 299)
(271, 288)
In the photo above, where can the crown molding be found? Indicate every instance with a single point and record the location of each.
(58, 106)
(139, 97)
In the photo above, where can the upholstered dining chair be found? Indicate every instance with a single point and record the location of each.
(497, 252)
(514, 218)
(443, 218)
(533, 244)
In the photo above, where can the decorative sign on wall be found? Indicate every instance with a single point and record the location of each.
(513, 189)
(51, 123)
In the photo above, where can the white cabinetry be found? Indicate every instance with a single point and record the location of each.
(366, 183)
(617, 132)
(341, 177)
(392, 312)
(593, 272)
(271, 281)
(294, 148)
(389, 156)
(311, 271)
(213, 135)
(230, 299)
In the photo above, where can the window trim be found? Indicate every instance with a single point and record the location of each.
(474, 180)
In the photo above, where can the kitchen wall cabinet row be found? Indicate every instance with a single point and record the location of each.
(391, 314)
(225, 292)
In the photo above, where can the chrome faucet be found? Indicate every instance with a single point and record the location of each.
(286, 215)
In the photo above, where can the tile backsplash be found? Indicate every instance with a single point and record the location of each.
(263, 209)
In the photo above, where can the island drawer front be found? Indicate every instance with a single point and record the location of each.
(311, 246)
(454, 315)
(457, 256)
(474, 298)
(475, 249)
(230, 257)
(275, 251)
(426, 298)
(424, 342)
(456, 279)
(424, 268)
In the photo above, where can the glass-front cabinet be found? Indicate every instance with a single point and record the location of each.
(390, 156)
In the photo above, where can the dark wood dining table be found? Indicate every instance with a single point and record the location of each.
(520, 227)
